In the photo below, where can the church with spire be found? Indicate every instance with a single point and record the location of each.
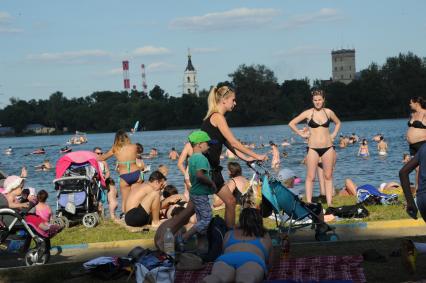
(190, 85)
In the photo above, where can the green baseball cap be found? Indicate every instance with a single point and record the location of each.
(198, 137)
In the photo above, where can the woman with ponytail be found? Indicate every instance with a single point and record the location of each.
(220, 101)
(416, 133)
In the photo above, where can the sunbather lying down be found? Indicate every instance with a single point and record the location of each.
(246, 252)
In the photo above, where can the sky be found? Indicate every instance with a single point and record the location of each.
(77, 47)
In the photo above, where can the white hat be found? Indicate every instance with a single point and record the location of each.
(11, 183)
(382, 186)
(285, 174)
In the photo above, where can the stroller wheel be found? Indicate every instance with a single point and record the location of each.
(58, 221)
(66, 222)
(36, 256)
(333, 237)
(89, 220)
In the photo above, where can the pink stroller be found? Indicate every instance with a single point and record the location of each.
(18, 229)
(78, 184)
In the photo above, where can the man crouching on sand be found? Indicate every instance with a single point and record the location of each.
(143, 203)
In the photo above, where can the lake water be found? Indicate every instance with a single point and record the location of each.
(374, 170)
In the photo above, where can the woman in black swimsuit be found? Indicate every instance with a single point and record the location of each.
(220, 101)
(320, 143)
(416, 133)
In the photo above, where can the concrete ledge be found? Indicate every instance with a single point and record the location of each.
(149, 243)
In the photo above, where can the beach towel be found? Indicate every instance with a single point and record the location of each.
(369, 194)
(319, 268)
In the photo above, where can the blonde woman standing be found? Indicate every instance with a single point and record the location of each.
(222, 100)
(320, 143)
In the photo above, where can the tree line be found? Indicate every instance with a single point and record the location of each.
(379, 92)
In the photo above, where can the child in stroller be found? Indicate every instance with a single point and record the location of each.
(78, 183)
(18, 226)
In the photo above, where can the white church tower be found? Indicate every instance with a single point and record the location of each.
(190, 85)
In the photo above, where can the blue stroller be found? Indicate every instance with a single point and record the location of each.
(282, 201)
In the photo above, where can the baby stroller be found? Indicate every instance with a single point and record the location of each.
(78, 184)
(282, 201)
(19, 229)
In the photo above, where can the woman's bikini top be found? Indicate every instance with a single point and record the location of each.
(256, 242)
(417, 124)
(314, 124)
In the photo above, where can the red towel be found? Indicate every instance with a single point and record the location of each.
(299, 269)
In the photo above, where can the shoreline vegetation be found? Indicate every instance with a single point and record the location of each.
(261, 100)
(192, 127)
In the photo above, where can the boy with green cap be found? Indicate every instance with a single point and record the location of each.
(202, 185)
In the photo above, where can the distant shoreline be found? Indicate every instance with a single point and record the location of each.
(181, 128)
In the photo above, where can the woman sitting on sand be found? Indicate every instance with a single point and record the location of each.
(247, 250)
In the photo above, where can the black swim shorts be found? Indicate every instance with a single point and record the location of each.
(137, 217)
(217, 178)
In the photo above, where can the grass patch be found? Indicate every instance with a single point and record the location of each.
(106, 231)
(109, 231)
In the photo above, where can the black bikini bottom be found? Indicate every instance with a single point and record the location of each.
(414, 147)
(321, 150)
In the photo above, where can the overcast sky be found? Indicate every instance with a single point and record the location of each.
(77, 46)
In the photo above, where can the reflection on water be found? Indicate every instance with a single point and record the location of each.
(375, 169)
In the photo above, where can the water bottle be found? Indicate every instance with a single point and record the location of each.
(169, 243)
(285, 247)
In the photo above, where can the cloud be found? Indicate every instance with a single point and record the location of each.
(69, 56)
(205, 50)
(160, 67)
(10, 30)
(5, 17)
(303, 51)
(150, 50)
(5, 24)
(231, 19)
(323, 15)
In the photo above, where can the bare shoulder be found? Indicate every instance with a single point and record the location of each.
(328, 111)
(217, 118)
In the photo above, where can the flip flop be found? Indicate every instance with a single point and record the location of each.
(374, 256)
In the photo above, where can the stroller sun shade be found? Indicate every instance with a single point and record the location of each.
(282, 199)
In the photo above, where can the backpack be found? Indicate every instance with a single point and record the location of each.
(349, 211)
(369, 195)
(215, 235)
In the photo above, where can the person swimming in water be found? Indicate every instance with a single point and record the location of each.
(382, 146)
(363, 149)
(275, 163)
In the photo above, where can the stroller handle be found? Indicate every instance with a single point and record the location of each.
(256, 163)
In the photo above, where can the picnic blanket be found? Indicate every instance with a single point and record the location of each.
(318, 268)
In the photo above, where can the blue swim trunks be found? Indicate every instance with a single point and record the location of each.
(237, 259)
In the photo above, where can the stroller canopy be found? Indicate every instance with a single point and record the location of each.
(78, 157)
